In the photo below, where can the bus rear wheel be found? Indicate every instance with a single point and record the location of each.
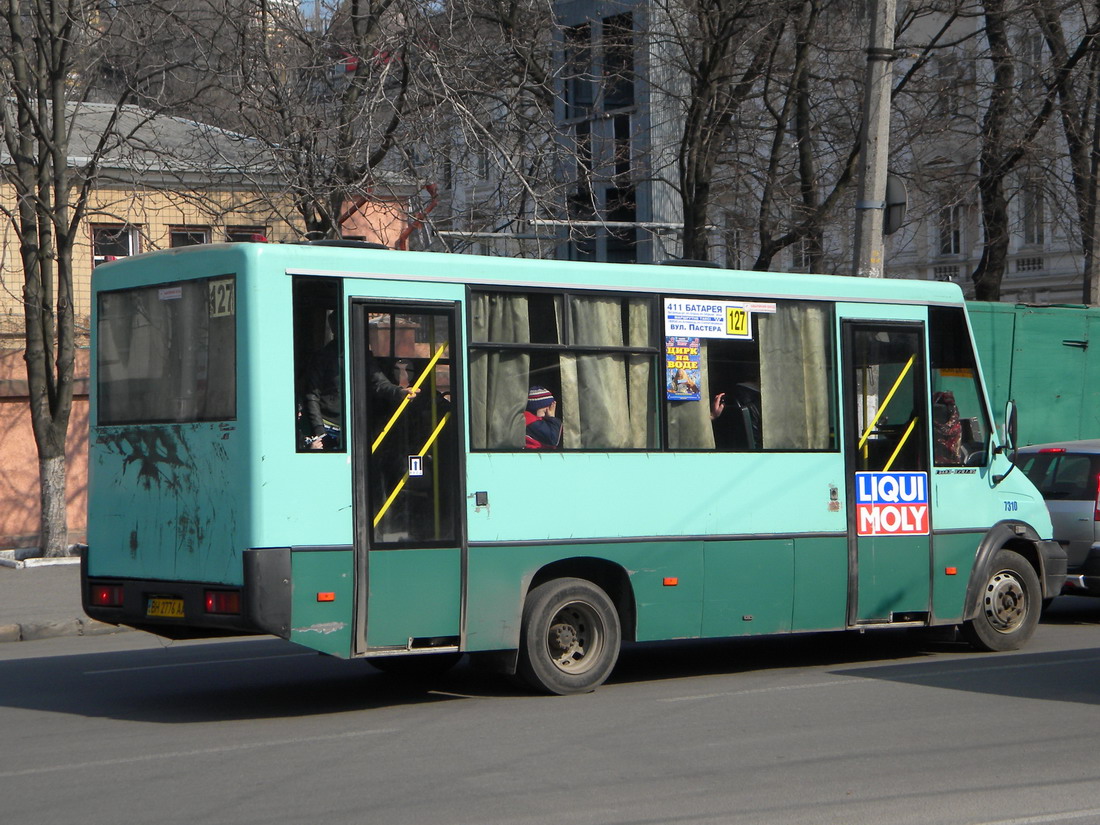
(1010, 605)
(569, 639)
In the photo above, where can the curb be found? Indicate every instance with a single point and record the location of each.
(33, 631)
(20, 559)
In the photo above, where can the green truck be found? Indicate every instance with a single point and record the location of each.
(1040, 356)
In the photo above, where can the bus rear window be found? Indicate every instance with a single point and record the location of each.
(168, 353)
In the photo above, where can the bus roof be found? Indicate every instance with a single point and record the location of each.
(384, 264)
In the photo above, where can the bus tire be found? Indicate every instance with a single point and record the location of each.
(569, 638)
(1010, 605)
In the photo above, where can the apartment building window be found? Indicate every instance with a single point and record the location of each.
(188, 235)
(734, 247)
(579, 91)
(1031, 65)
(802, 255)
(622, 242)
(618, 61)
(950, 230)
(244, 234)
(582, 211)
(111, 241)
(585, 165)
(1032, 208)
(621, 143)
(946, 101)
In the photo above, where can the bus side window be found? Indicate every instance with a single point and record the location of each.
(960, 428)
(595, 353)
(771, 390)
(319, 366)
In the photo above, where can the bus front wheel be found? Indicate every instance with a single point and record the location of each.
(569, 639)
(1010, 605)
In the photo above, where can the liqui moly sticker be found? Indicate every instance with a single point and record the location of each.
(892, 504)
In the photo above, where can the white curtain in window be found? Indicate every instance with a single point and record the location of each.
(794, 377)
(606, 396)
(498, 380)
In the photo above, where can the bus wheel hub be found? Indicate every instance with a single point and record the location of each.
(1006, 602)
(563, 637)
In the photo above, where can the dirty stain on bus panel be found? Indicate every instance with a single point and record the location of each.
(174, 509)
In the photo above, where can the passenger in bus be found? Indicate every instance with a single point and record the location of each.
(745, 432)
(543, 427)
(946, 429)
(324, 407)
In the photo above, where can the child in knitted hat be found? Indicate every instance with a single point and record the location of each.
(543, 428)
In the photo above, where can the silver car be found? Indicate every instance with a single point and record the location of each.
(1067, 473)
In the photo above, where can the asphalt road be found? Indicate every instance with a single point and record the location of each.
(835, 728)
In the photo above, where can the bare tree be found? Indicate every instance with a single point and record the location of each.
(483, 98)
(321, 97)
(41, 43)
(1071, 32)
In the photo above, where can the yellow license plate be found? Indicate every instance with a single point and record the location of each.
(165, 608)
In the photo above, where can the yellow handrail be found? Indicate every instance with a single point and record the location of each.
(886, 402)
(398, 487)
(904, 438)
(405, 401)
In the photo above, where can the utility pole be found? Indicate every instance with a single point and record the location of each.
(875, 142)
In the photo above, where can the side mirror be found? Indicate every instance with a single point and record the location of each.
(1010, 430)
(1009, 445)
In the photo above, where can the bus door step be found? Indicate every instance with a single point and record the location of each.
(911, 619)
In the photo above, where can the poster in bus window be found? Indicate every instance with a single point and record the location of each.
(683, 375)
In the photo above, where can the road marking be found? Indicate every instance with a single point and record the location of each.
(748, 691)
(1065, 816)
(129, 760)
(196, 664)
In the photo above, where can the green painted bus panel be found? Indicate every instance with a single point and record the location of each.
(318, 621)
(749, 587)
(893, 576)
(499, 578)
(580, 495)
(665, 611)
(820, 583)
(414, 594)
(1040, 357)
(965, 498)
(953, 552)
(168, 502)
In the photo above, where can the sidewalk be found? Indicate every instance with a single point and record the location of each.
(43, 600)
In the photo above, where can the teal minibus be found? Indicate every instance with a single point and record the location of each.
(410, 457)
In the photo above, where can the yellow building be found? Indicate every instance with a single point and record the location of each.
(172, 182)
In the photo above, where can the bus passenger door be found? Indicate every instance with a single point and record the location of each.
(887, 458)
(407, 476)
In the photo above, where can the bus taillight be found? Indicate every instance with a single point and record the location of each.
(222, 601)
(106, 595)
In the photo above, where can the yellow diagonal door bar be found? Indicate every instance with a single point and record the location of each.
(405, 401)
(401, 484)
(886, 401)
(904, 438)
